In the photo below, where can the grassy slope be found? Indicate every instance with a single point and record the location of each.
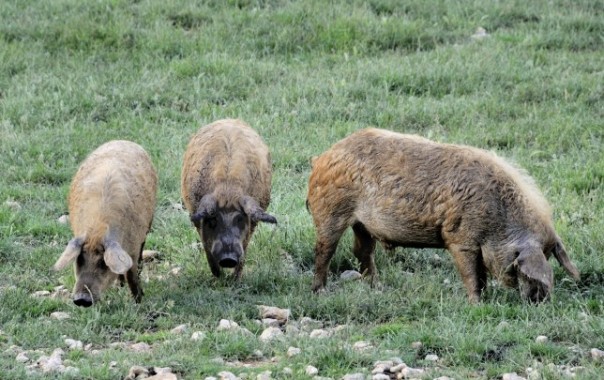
(76, 74)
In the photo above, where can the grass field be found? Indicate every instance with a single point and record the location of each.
(304, 74)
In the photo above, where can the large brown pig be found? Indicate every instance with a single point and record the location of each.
(404, 190)
(111, 204)
(226, 186)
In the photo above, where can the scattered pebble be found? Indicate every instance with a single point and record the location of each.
(73, 344)
(149, 255)
(354, 376)
(409, 372)
(226, 375)
(596, 354)
(41, 294)
(311, 371)
(293, 351)
(140, 347)
(480, 33)
(60, 315)
(512, 376)
(175, 271)
(287, 371)
(308, 324)
(350, 275)
(541, 339)
(226, 324)
(431, 358)
(270, 334)
(13, 205)
(361, 345)
(443, 378)
(503, 325)
(417, 345)
(137, 371)
(380, 376)
(22, 357)
(180, 329)
(266, 375)
(320, 334)
(282, 315)
(271, 322)
(177, 206)
(198, 336)
(63, 219)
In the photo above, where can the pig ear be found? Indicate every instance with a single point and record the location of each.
(256, 213)
(73, 249)
(533, 264)
(206, 207)
(562, 257)
(118, 260)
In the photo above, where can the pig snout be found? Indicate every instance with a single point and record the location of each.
(83, 299)
(228, 253)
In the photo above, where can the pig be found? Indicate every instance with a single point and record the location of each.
(408, 191)
(226, 187)
(111, 203)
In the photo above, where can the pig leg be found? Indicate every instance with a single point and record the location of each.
(133, 278)
(328, 236)
(363, 249)
(239, 267)
(468, 261)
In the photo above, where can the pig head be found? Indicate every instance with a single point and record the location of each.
(96, 267)
(225, 230)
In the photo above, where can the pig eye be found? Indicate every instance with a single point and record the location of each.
(239, 219)
(101, 265)
(210, 222)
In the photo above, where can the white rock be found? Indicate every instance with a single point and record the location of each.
(162, 369)
(288, 371)
(408, 372)
(311, 371)
(112, 364)
(41, 294)
(480, 33)
(198, 336)
(140, 347)
(512, 376)
(226, 375)
(349, 275)
(226, 324)
(378, 369)
(175, 271)
(137, 371)
(281, 315)
(443, 378)
(271, 322)
(150, 255)
(177, 206)
(503, 325)
(354, 376)
(73, 344)
(431, 358)
(293, 351)
(210, 378)
(52, 363)
(163, 376)
(596, 354)
(398, 368)
(541, 339)
(361, 345)
(320, 334)
(60, 315)
(63, 219)
(266, 375)
(308, 324)
(292, 330)
(380, 376)
(22, 357)
(417, 345)
(270, 334)
(180, 329)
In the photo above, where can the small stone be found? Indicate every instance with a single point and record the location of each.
(140, 347)
(320, 334)
(270, 334)
(226, 324)
(162, 369)
(180, 329)
(480, 33)
(22, 357)
(512, 376)
(177, 206)
(596, 354)
(210, 378)
(431, 358)
(308, 324)
(541, 339)
(311, 371)
(226, 375)
(361, 345)
(408, 372)
(378, 369)
(354, 376)
(503, 325)
(217, 360)
(112, 364)
(350, 275)
(281, 315)
(417, 345)
(60, 315)
(266, 375)
(398, 368)
(287, 371)
(198, 336)
(271, 322)
(137, 371)
(73, 344)
(293, 351)
(175, 271)
(150, 255)
(41, 294)
(443, 378)
(163, 376)
(292, 330)
(380, 376)
(63, 219)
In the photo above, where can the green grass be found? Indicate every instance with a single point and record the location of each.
(304, 74)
